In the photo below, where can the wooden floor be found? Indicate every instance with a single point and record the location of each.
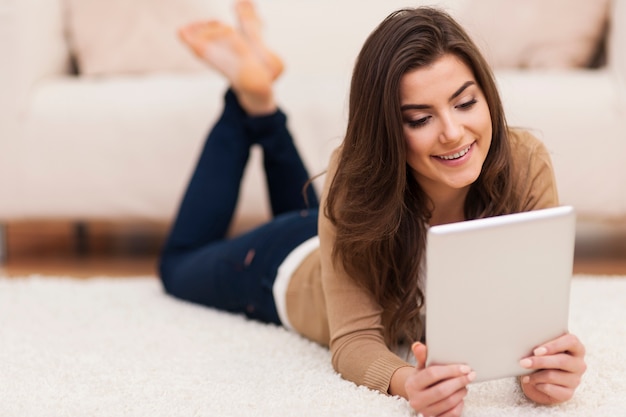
(123, 250)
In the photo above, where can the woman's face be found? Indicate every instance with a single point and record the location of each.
(447, 126)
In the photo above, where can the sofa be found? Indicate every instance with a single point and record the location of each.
(98, 121)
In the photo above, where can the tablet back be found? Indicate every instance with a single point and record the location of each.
(498, 287)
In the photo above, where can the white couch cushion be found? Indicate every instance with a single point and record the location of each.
(124, 147)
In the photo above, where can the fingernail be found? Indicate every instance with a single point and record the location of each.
(525, 380)
(471, 376)
(465, 369)
(540, 351)
(526, 363)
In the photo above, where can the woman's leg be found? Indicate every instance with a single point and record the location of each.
(198, 263)
(285, 172)
(211, 197)
(210, 200)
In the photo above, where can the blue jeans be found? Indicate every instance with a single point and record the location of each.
(198, 262)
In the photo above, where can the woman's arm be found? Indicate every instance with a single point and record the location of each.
(357, 344)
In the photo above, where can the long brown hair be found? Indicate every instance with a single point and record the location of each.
(377, 207)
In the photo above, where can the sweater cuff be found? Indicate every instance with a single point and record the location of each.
(379, 373)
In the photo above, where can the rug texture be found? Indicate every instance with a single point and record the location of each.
(121, 347)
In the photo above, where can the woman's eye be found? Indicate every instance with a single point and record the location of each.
(467, 104)
(419, 122)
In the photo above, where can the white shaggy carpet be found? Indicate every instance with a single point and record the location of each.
(120, 347)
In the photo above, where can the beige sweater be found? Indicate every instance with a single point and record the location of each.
(325, 305)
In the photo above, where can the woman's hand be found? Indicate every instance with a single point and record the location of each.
(560, 365)
(437, 390)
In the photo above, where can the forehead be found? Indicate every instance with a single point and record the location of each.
(435, 81)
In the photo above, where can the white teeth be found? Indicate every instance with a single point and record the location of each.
(456, 155)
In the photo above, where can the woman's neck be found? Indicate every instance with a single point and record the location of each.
(448, 207)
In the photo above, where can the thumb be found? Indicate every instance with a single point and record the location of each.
(420, 351)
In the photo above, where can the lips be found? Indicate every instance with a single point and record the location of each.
(455, 155)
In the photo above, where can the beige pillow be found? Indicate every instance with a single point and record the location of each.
(135, 36)
(536, 33)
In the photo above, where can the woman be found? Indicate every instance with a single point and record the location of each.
(426, 144)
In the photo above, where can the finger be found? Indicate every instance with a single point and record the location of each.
(420, 352)
(562, 361)
(566, 343)
(455, 412)
(564, 379)
(447, 404)
(557, 393)
(437, 374)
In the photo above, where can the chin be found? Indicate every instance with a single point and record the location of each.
(464, 182)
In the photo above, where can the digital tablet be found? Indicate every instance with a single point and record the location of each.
(498, 287)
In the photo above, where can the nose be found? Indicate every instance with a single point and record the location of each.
(451, 129)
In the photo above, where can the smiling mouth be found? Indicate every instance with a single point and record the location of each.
(457, 155)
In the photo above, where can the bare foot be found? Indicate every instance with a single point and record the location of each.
(226, 50)
(251, 26)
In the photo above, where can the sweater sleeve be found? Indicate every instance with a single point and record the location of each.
(357, 345)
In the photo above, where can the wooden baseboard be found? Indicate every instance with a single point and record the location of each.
(64, 238)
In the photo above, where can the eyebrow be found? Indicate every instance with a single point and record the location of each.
(426, 106)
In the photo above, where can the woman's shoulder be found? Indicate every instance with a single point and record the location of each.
(533, 165)
(528, 151)
(524, 143)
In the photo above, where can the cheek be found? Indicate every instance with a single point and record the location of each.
(416, 145)
(486, 121)
(417, 155)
